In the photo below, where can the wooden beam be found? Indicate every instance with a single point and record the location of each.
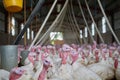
(6, 22)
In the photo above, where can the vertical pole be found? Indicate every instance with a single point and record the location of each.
(31, 22)
(25, 35)
(31, 33)
(6, 22)
(9, 27)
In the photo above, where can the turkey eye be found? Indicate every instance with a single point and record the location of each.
(37, 52)
(20, 70)
(46, 61)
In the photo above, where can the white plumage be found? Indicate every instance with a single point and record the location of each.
(69, 63)
(4, 75)
(83, 73)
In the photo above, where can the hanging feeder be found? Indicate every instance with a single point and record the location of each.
(13, 5)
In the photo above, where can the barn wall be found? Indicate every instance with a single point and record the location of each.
(2, 21)
(8, 38)
(117, 24)
(3, 38)
(69, 36)
(106, 36)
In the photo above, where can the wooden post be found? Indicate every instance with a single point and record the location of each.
(31, 28)
(25, 35)
(9, 27)
(6, 22)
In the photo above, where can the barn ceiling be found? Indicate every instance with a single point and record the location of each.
(110, 7)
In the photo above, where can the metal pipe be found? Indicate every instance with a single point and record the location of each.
(30, 18)
(63, 11)
(75, 19)
(71, 24)
(45, 36)
(75, 31)
(42, 26)
(85, 20)
(51, 28)
(31, 23)
(59, 26)
(25, 34)
(94, 22)
(108, 22)
(55, 29)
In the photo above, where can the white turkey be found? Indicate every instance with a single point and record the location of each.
(64, 71)
(117, 65)
(4, 75)
(56, 65)
(43, 73)
(73, 62)
(80, 72)
(103, 68)
(22, 73)
(16, 73)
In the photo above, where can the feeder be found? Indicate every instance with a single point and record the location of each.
(13, 5)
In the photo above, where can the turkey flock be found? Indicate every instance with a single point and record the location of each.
(68, 62)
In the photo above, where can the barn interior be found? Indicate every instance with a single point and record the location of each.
(110, 7)
(28, 26)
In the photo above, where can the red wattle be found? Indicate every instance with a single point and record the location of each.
(116, 63)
